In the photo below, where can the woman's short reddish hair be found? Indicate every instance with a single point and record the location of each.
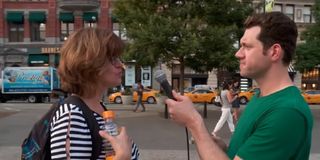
(83, 56)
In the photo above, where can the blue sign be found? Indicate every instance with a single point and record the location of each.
(27, 79)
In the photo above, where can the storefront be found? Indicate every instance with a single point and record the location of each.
(311, 79)
(13, 57)
(191, 77)
(45, 56)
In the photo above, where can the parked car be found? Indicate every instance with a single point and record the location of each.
(149, 96)
(115, 98)
(246, 96)
(201, 95)
(311, 96)
(188, 89)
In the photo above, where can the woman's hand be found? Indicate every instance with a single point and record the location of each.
(121, 144)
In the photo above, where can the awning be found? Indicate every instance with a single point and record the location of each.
(90, 16)
(39, 17)
(15, 17)
(66, 17)
(38, 58)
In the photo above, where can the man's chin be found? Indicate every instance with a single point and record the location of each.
(244, 74)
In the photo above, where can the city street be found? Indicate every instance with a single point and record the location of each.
(158, 138)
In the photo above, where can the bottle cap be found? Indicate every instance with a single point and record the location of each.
(109, 158)
(108, 114)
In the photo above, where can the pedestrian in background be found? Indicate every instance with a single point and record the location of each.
(89, 65)
(226, 98)
(139, 101)
(236, 103)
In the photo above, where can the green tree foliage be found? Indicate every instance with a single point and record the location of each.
(199, 34)
(308, 53)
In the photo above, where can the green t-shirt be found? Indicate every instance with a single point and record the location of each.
(277, 126)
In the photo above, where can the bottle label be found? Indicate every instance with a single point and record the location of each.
(109, 158)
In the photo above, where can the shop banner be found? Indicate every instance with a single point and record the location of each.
(129, 75)
(146, 76)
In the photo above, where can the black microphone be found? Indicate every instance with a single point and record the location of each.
(161, 77)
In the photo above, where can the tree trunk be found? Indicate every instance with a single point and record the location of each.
(181, 78)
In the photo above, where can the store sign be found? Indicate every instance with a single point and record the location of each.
(14, 58)
(50, 50)
(146, 76)
(129, 75)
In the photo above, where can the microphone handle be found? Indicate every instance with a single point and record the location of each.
(167, 89)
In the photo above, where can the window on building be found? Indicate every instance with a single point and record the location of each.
(90, 19)
(37, 26)
(307, 14)
(277, 8)
(66, 29)
(38, 31)
(16, 32)
(90, 24)
(15, 21)
(66, 25)
(119, 31)
(289, 11)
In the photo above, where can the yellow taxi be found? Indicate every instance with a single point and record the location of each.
(115, 98)
(245, 97)
(201, 95)
(149, 96)
(311, 96)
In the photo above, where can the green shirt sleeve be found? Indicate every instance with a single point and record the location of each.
(277, 135)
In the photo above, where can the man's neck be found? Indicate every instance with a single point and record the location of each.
(272, 82)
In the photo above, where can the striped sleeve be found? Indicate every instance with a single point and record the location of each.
(80, 137)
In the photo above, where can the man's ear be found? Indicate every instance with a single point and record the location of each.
(276, 52)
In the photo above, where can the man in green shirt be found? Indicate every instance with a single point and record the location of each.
(277, 122)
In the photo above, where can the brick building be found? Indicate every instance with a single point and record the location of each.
(32, 31)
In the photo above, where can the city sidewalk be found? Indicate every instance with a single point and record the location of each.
(179, 153)
(157, 138)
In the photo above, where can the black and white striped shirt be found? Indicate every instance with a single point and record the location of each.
(80, 137)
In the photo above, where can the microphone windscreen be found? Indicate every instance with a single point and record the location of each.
(160, 76)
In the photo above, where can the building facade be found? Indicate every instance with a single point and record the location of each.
(301, 12)
(32, 31)
(297, 10)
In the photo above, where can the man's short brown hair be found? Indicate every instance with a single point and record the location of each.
(83, 57)
(275, 28)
